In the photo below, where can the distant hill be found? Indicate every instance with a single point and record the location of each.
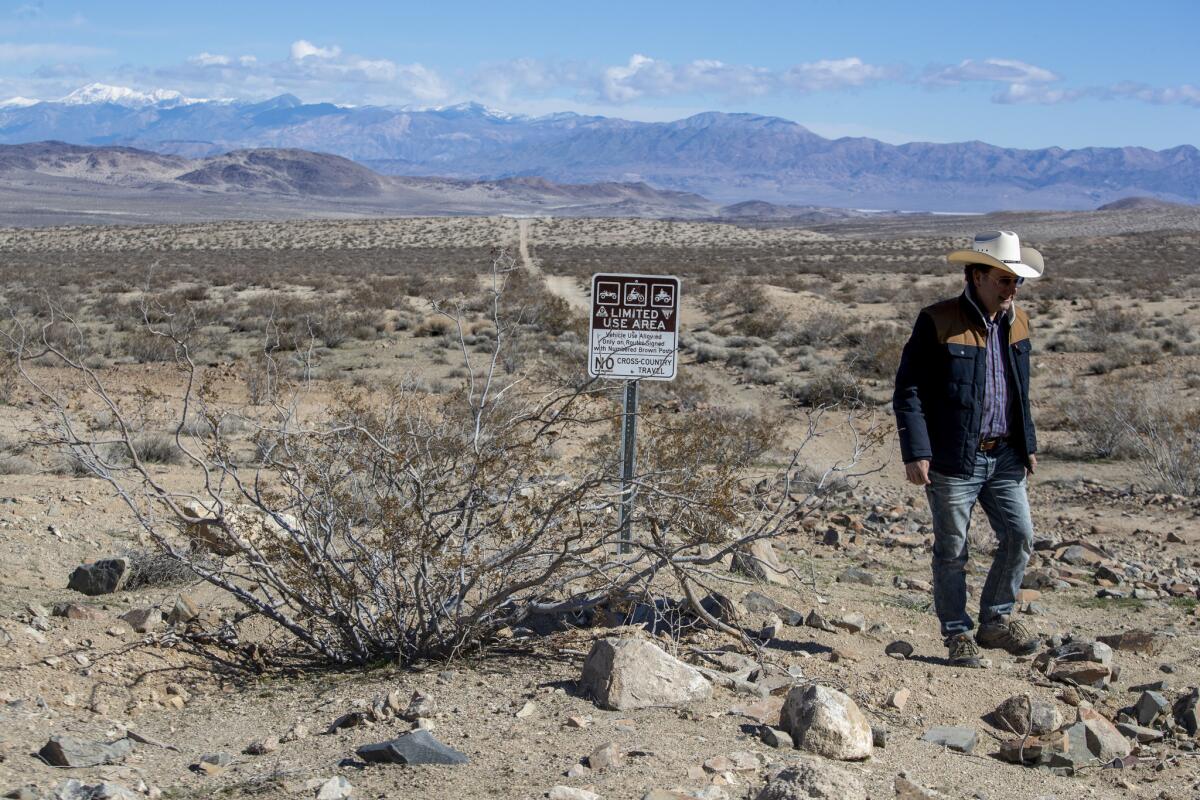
(1126, 203)
(730, 158)
(46, 183)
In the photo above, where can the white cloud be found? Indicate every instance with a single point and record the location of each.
(302, 49)
(1026, 94)
(209, 60)
(994, 70)
(1184, 94)
(644, 77)
(522, 76)
(827, 75)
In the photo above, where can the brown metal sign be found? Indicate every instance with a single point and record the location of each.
(634, 331)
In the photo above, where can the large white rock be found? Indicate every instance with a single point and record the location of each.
(235, 530)
(628, 673)
(759, 560)
(813, 779)
(826, 722)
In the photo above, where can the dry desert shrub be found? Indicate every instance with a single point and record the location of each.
(16, 464)
(1166, 437)
(819, 330)
(827, 387)
(387, 524)
(874, 352)
(1104, 419)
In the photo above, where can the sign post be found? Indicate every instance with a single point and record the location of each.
(633, 335)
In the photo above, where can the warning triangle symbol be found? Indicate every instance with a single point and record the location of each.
(667, 312)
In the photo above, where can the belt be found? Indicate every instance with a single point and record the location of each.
(991, 444)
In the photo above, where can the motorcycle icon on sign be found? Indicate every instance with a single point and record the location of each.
(635, 294)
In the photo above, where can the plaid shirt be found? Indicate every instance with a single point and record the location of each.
(995, 389)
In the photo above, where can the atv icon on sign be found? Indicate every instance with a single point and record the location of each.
(663, 296)
(608, 293)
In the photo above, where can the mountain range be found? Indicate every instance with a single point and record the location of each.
(727, 158)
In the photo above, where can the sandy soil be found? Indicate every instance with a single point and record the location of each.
(96, 678)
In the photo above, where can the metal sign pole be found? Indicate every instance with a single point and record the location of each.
(628, 459)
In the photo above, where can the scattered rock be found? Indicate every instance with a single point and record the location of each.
(899, 649)
(1104, 741)
(421, 704)
(295, 733)
(68, 751)
(527, 710)
(629, 673)
(774, 737)
(721, 607)
(1149, 706)
(851, 622)
(184, 611)
(1135, 641)
(815, 620)
(813, 779)
(826, 722)
(907, 790)
(1020, 711)
(1138, 733)
(1186, 712)
(336, 788)
(859, 576)
(879, 736)
(143, 620)
(105, 576)
(73, 789)
(760, 561)
(758, 603)
(955, 738)
(261, 747)
(417, 747)
(1086, 673)
(351, 719)
(571, 793)
(605, 756)
(77, 611)
(899, 699)
(212, 764)
(1034, 749)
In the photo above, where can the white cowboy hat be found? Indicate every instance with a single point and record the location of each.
(1001, 249)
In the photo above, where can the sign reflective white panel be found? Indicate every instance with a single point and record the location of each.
(634, 330)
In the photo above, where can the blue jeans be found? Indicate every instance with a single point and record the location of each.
(998, 484)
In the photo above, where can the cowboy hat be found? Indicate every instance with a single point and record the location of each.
(1001, 249)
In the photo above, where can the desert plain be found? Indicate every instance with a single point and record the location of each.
(790, 336)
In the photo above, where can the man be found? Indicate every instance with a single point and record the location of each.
(966, 435)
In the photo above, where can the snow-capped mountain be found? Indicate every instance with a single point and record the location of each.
(729, 158)
(18, 102)
(97, 93)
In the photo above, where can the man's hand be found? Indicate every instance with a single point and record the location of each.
(917, 472)
(1032, 468)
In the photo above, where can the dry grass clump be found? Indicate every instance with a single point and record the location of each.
(16, 464)
(874, 352)
(1104, 419)
(829, 386)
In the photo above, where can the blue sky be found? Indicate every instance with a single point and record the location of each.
(1069, 74)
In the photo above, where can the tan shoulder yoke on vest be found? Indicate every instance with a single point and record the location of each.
(955, 326)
